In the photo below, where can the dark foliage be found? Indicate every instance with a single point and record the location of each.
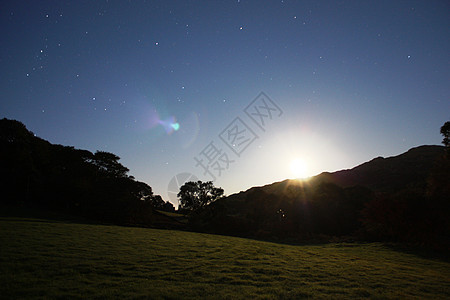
(37, 173)
(445, 131)
(299, 212)
(196, 195)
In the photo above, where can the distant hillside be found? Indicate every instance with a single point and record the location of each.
(409, 169)
(396, 198)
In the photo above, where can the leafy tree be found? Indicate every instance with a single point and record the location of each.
(38, 173)
(157, 201)
(168, 207)
(445, 131)
(108, 163)
(439, 180)
(196, 195)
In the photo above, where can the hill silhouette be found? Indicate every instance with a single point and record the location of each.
(385, 199)
(407, 170)
(96, 186)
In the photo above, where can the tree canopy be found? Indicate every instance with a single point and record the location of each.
(108, 163)
(37, 173)
(195, 195)
(445, 131)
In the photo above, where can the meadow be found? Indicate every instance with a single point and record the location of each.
(45, 259)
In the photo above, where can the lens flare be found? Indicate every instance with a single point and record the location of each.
(156, 118)
(170, 124)
(175, 126)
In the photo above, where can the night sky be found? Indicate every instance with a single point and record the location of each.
(175, 86)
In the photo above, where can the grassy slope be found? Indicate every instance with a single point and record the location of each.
(45, 259)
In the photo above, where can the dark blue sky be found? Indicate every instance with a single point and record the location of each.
(352, 80)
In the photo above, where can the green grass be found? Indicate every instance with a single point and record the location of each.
(172, 214)
(48, 259)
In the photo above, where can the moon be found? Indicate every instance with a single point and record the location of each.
(299, 168)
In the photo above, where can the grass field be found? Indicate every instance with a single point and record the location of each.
(50, 259)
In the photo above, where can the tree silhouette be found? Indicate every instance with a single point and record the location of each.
(36, 173)
(168, 207)
(108, 163)
(195, 195)
(157, 201)
(445, 131)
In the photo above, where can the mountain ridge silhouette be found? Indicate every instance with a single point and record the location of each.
(380, 174)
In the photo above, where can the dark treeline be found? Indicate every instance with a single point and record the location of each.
(37, 173)
(299, 212)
